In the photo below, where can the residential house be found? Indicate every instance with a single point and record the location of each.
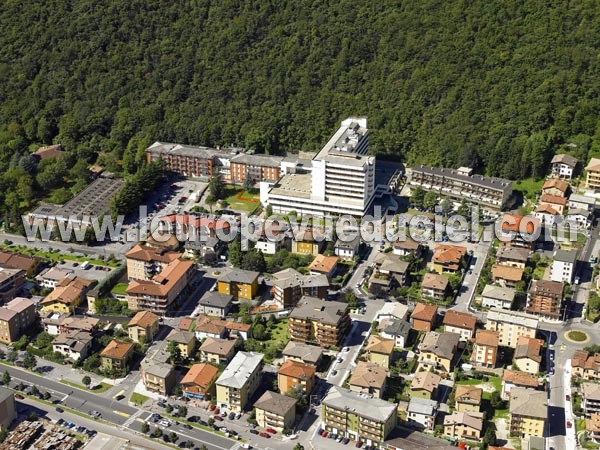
(241, 284)
(162, 290)
(563, 166)
(69, 323)
(271, 238)
(185, 341)
(368, 378)
(213, 303)
(512, 256)
(143, 327)
(506, 276)
(590, 394)
(199, 381)
(545, 298)
(74, 346)
(462, 324)
(592, 181)
(425, 385)
(145, 261)
(448, 258)
(516, 378)
(422, 413)
(435, 286)
(528, 412)
(397, 330)
(547, 214)
(464, 425)
(217, 351)
(577, 201)
(438, 349)
(468, 398)
(358, 417)
(289, 286)
(157, 376)
(586, 365)
(347, 249)
(497, 296)
(67, 296)
(563, 265)
(218, 328)
(510, 325)
(16, 317)
(380, 351)
(392, 311)
(295, 377)
(239, 380)
(324, 265)
(555, 187)
(18, 261)
(519, 231)
(324, 323)
(424, 317)
(485, 348)
(528, 354)
(299, 351)
(116, 357)
(408, 246)
(390, 271)
(311, 241)
(273, 410)
(579, 219)
(559, 203)
(49, 278)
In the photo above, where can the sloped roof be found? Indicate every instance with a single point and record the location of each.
(513, 253)
(381, 345)
(424, 312)
(440, 344)
(529, 348)
(593, 165)
(296, 369)
(487, 338)
(555, 183)
(529, 403)
(275, 403)
(306, 352)
(519, 378)
(147, 253)
(368, 375)
(553, 199)
(221, 347)
(565, 159)
(239, 276)
(427, 381)
(448, 254)
(370, 408)
(464, 418)
(144, 319)
(117, 349)
(460, 320)
(435, 281)
(498, 292)
(201, 375)
(468, 394)
(507, 272)
(323, 264)
(180, 336)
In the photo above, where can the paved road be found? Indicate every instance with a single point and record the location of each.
(465, 297)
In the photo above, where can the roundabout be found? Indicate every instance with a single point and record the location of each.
(577, 337)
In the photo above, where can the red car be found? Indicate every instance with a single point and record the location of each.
(218, 418)
(324, 433)
(270, 430)
(212, 407)
(569, 424)
(265, 435)
(19, 396)
(358, 444)
(216, 410)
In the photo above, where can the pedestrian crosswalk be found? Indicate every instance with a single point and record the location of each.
(133, 418)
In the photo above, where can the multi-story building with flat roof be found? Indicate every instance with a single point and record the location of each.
(358, 417)
(318, 321)
(239, 380)
(462, 183)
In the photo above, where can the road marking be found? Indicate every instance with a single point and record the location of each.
(121, 413)
(133, 418)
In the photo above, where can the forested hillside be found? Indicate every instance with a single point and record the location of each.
(497, 84)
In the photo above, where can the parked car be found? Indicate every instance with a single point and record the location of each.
(238, 416)
(324, 433)
(334, 373)
(193, 419)
(271, 430)
(358, 444)
(569, 424)
(231, 415)
(60, 421)
(346, 440)
(253, 431)
(218, 418)
(265, 435)
(19, 396)
(59, 410)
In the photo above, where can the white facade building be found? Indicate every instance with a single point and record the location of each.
(563, 266)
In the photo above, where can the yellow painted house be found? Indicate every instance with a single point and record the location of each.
(528, 412)
(307, 242)
(239, 381)
(380, 351)
(186, 342)
(66, 296)
(241, 284)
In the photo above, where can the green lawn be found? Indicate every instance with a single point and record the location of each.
(56, 255)
(241, 200)
(120, 289)
(496, 382)
(103, 386)
(138, 399)
(528, 187)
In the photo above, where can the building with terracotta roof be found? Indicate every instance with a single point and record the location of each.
(559, 203)
(448, 258)
(528, 412)
(10, 260)
(241, 284)
(592, 426)
(324, 265)
(506, 276)
(164, 289)
(273, 410)
(217, 351)
(48, 151)
(16, 317)
(199, 381)
(516, 378)
(67, 296)
(435, 286)
(425, 384)
(368, 378)
(317, 321)
(546, 214)
(299, 351)
(555, 187)
(11, 282)
(519, 231)
(309, 241)
(460, 323)
(528, 354)
(592, 181)
(185, 341)
(380, 351)
(586, 365)
(563, 166)
(142, 328)
(512, 256)
(468, 398)
(218, 328)
(544, 298)
(116, 358)
(485, 348)
(296, 377)
(186, 324)
(438, 349)
(464, 425)
(424, 317)
(146, 261)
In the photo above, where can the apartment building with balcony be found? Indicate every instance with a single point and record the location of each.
(438, 349)
(464, 425)
(239, 380)
(590, 394)
(592, 181)
(16, 317)
(544, 298)
(296, 377)
(510, 325)
(357, 416)
(340, 180)
(563, 166)
(256, 168)
(528, 354)
(512, 256)
(241, 284)
(289, 286)
(368, 378)
(145, 261)
(157, 376)
(317, 321)
(422, 413)
(528, 412)
(586, 365)
(563, 265)
(460, 323)
(485, 348)
(519, 231)
(199, 381)
(142, 328)
(160, 292)
(462, 184)
(275, 411)
(116, 357)
(67, 295)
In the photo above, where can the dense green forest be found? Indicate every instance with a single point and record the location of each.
(499, 85)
